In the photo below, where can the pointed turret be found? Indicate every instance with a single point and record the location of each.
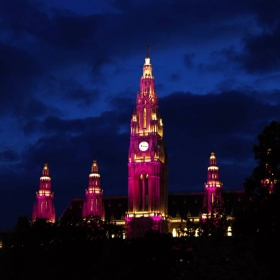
(213, 187)
(93, 194)
(43, 207)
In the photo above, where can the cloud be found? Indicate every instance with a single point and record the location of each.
(16, 74)
(74, 31)
(175, 77)
(188, 59)
(261, 52)
(267, 11)
(78, 92)
(228, 122)
(9, 156)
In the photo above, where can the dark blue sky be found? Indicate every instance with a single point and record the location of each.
(70, 71)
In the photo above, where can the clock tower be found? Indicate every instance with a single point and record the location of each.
(147, 162)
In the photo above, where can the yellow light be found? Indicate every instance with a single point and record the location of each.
(213, 168)
(94, 175)
(93, 190)
(45, 178)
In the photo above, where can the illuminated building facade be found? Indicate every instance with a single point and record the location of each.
(43, 207)
(93, 206)
(213, 189)
(147, 161)
(146, 206)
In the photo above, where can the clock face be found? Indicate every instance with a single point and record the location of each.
(143, 146)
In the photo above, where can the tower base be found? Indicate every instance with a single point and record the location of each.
(139, 227)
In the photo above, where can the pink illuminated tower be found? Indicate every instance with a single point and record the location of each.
(93, 206)
(213, 189)
(147, 161)
(43, 207)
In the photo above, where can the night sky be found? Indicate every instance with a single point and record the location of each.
(70, 72)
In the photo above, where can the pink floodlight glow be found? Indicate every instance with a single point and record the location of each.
(128, 219)
(156, 218)
(43, 207)
(93, 205)
(147, 167)
(213, 187)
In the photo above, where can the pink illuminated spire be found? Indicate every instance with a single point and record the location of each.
(147, 157)
(145, 118)
(213, 187)
(43, 207)
(93, 197)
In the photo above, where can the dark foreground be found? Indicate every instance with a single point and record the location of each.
(155, 256)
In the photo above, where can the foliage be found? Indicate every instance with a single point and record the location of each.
(262, 187)
(72, 256)
(267, 154)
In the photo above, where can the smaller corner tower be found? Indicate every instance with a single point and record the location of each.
(212, 203)
(43, 207)
(93, 206)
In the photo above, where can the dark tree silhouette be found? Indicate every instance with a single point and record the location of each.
(265, 177)
(262, 187)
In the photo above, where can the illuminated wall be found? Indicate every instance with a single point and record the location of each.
(147, 158)
(43, 207)
(93, 197)
(213, 187)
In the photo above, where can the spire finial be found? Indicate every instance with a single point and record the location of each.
(147, 51)
(94, 166)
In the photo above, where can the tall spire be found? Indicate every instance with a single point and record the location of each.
(94, 167)
(147, 51)
(213, 161)
(213, 187)
(147, 158)
(147, 67)
(46, 170)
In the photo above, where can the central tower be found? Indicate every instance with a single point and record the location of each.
(147, 161)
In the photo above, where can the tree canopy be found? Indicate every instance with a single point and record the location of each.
(265, 177)
(262, 187)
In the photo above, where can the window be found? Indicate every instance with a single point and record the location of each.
(91, 205)
(144, 117)
(146, 193)
(140, 192)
